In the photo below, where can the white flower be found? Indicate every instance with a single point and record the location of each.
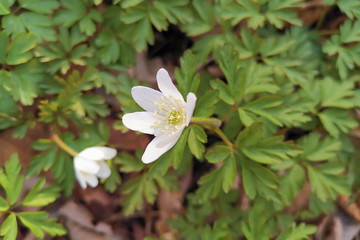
(89, 164)
(166, 115)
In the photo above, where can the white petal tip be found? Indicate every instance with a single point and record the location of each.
(190, 106)
(147, 160)
(161, 71)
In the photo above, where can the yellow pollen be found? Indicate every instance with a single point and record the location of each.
(174, 117)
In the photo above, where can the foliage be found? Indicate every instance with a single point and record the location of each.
(286, 93)
(38, 222)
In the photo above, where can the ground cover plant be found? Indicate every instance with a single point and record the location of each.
(187, 119)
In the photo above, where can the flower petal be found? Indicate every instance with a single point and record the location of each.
(190, 106)
(146, 97)
(97, 153)
(104, 171)
(92, 180)
(166, 85)
(140, 121)
(159, 145)
(80, 178)
(85, 165)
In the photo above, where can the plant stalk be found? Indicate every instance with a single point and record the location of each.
(224, 137)
(212, 124)
(63, 145)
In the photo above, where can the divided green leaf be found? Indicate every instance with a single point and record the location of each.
(10, 179)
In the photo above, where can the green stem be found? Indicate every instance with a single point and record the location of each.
(63, 145)
(223, 137)
(213, 122)
(227, 114)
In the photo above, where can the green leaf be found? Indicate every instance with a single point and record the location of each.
(143, 35)
(275, 45)
(279, 12)
(210, 185)
(265, 107)
(130, 3)
(10, 181)
(224, 90)
(175, 11)
(38, 222)
(243, 10)
(247, 118)
(87, 24)
(136, 190)
(12, 24)
(9, 228)
(291, 183)
(203, 19)
(19, 49)
(337, 94)
(320, 150)
(63, 172)
(326, 181)
(20, 87)
(349, 32)
(42, 161)
(96, 136)
(197, 137)
(157, 19)
(270, 108)
(258, 78)
(347, 56)
(250, 135)
(3, 46)
(186, 76)
(109, 47)
(229, 64)
(39, 196)
(229, 175)
(218, 154)
(40, 6)
(205, 106)
(38, 24)
(4, 205)
(298, 232)
(350, 8)
(336, 120)
(220, 230)
(93, 105)
(222, 177)
(113, 181)
(128, 163)
(73, 12)
(4, 7)
(271, 150)
(259, 180)
(256, 227)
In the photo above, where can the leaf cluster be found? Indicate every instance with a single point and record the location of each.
(39, 196)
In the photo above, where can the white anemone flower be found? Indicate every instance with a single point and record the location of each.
(90, 164)
(166, 116)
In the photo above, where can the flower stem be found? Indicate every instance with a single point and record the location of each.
(213, 122)
(227, 114)
(63, 145)
(223, 137)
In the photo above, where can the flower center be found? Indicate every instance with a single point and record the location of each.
(170, 116)
(174, 117)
